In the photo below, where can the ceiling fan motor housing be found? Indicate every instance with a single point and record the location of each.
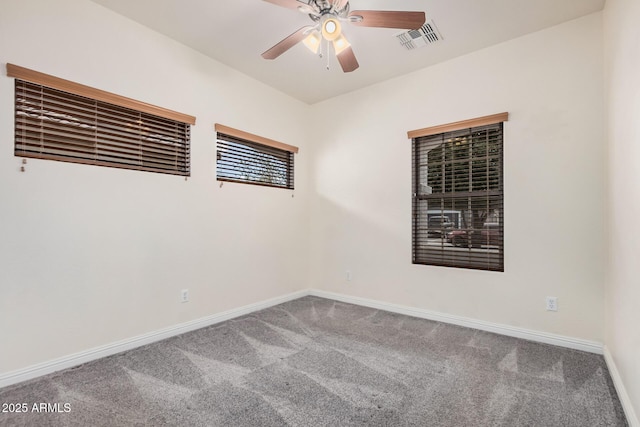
(324, 8)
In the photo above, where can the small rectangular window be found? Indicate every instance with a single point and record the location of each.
(246, 158)
(56, 119)
(458, 216)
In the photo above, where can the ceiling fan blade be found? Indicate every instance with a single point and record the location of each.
(347, 60)
(289, 4)
(286, 44)
(389, 19)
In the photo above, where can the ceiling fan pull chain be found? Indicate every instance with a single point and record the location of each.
(328, 56)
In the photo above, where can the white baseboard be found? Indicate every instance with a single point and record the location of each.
(629, 412)
(76, 359)
(512, 331)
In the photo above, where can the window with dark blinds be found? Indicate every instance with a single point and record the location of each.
(57, 125)
(242, 160)
(458, 218)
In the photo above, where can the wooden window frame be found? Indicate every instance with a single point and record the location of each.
(53, 82)
(469, 239)
(56, 119)
(463, 124)
(240, 134)
(229, 138)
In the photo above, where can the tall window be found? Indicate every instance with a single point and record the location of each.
(60, 120)
(251, 159)
(458, 215)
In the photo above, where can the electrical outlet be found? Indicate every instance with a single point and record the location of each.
(552, 304)
(348, 275)
(184, 295)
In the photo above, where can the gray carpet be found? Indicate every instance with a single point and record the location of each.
(317, 362)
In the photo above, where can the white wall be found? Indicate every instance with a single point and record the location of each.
(551, 84)
(91, 255)
(622, 59)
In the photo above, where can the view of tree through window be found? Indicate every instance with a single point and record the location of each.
(245, 161)
(458, 199)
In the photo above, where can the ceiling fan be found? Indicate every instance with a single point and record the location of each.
(327, 16)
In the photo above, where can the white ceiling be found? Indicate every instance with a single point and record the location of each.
(236, 32)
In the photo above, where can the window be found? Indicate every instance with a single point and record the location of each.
(458, 218)
(243, 157)
(60, 120)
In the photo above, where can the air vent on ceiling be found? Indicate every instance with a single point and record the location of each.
(427, 34)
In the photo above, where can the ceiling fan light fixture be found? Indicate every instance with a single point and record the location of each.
(327, 16)
(312, 41)
(331, 29)
(340, 44)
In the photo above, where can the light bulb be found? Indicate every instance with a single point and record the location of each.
(340, 44)
(312, 41)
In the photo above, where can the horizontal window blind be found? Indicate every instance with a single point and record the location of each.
(458, 218)
(57, 125)
(241, 160)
